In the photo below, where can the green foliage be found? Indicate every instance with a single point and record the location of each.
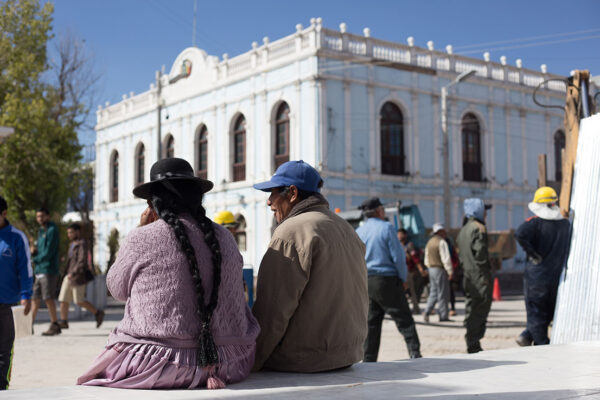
(37, 159)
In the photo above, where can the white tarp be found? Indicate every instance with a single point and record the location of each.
(577, 315)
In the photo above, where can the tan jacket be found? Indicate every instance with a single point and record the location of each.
(437, 254)
(311, 300)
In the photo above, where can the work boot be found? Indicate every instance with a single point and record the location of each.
(63, 324)
(522, 340)
(54, 329)
(99, 318)
(474, 348)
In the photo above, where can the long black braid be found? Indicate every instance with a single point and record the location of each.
(169, 206)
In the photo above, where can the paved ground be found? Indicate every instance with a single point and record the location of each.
(57, 361)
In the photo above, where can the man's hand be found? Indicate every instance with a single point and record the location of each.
(148, 216)
(27, 304)
(70, 276)
(450, 276)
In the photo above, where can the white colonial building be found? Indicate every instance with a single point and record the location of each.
(364, 111)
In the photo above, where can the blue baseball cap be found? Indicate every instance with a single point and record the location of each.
(297, 173)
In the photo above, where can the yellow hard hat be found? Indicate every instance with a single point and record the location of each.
(545, 194)
(225, 218)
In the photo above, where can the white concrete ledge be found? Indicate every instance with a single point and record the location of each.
(545, 372)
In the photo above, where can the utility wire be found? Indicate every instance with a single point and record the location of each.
(535, 44)
(526, 39)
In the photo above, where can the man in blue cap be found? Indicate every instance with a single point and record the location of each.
(311, 294)
(472, 243)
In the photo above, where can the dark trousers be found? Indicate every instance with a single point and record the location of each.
(416, 284)
(386, 295)
(452, 297)
(478, 301)
(7, 339)
(540, 301)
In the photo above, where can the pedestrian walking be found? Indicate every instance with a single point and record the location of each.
(439, 265)
(16, 281)
(78, 273)
(45, 258)
(387, 272)
(545, 239)
(472, 243)
(417, 273)
(311, 297)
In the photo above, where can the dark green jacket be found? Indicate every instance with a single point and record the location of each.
(472, 242)
(46, 257)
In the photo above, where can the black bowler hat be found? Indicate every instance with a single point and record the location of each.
(370, 204)
(168, 170)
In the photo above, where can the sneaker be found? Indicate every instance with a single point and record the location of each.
(426, 317)
(63, 323)
(452, 313)
(99, 318)
(54, 329)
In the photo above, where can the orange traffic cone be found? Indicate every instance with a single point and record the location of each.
(496, 295)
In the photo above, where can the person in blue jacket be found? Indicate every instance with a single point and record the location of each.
(387, 272)
(545, 238)
(16, 282)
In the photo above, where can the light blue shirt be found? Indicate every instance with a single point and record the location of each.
(385, 254)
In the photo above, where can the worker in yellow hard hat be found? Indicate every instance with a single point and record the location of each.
(545, 204)
(227, 220)
(545, 239)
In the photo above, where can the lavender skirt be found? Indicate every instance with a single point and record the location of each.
(150, 366)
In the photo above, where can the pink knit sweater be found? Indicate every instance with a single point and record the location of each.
(152, 275)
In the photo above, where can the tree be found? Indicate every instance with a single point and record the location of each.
(38, 159)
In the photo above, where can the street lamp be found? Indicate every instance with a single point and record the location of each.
(463, 76)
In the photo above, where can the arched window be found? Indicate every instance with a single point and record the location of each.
(559, 145)
(202, 152)
(471, 148)
(140, 164)
(282, 135)
(239, 149)
(114, 177)
(169, 151)
(392, 140)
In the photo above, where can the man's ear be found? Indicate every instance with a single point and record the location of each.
(293, 193)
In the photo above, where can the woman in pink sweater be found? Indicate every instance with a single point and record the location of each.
(186, 322)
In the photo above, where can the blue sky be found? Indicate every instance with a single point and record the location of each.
(131, 39)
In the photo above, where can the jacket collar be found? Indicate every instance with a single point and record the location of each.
(309, 204)
(471, 218)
